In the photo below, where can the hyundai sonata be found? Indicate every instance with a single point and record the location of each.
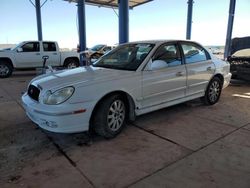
(132, 79)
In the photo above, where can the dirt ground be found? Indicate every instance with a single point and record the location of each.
(187, 145)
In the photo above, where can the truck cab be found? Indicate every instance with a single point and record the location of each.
(28, 54)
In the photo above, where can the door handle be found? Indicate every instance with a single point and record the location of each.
(209, 68)
(54, 53)
(179, 74)
(38, 54)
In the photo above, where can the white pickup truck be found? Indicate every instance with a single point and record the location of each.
(29, 54)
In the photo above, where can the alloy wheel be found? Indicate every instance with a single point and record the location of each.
(214, 91)
(72, 65)
(116, 115)
(4, 70)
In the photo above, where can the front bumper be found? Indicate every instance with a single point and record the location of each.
(64, 118)
(227, 79)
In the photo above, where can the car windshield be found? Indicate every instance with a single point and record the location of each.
(125, 57)
(17, 46)
(97, 47)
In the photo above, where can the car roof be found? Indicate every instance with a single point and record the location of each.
(38, 41)
(160, 41)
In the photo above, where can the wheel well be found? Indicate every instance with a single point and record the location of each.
(69, 58)
(5, 59)
(129, 102)
(220, 77)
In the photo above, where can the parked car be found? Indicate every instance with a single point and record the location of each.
(133, 79)
(239, 58)
(97, 51)
(29, 54)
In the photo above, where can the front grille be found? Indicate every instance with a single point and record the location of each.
(33, 92)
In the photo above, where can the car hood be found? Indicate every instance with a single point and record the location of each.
(81, 76)
(6, 51)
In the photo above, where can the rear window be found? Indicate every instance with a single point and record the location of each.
(49, 46)
(194, 53)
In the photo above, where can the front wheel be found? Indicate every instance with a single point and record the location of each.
(5, 70)
(212, 94)
(71, 63)
(110, 116)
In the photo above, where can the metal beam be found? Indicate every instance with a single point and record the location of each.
(189, 19)
(123, 21)
(112, 3)
(39, 20)
(82, 30)
(229, 28)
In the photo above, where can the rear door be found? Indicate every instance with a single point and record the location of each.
(200, 67)
(50, 49)
(166, 79)
(29, 56)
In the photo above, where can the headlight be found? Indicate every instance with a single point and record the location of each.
(58, 96)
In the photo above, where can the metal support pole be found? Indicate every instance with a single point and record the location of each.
(39, 20)
(123, 21)
(189, 19)
(229, 28)
(82, 30)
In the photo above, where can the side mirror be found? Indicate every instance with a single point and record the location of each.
(19, 50)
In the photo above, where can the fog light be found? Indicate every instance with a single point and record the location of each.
(51, 124)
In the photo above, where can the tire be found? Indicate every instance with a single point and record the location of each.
(71, 63)
(213, 92)
(6, 69)
(109, 118)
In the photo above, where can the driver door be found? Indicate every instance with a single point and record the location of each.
(29, 55)
(165, 77)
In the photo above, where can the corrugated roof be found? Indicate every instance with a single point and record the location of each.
(112, 3)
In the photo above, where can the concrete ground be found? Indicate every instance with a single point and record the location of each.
(188, 145)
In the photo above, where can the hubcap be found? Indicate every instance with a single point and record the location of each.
(71, 65)
(116, 115)
(4, 70)
(214, 91)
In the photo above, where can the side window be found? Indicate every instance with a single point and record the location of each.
(167, 56)
(193, 53)
(49, 46)
(31, 47)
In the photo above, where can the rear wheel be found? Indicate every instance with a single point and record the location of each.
(212, 94)
(5, 69)
(71, 63)
(110, 116)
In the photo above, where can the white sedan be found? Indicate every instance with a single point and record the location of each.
(133, 79)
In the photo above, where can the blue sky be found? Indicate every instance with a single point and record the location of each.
(159, 19)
